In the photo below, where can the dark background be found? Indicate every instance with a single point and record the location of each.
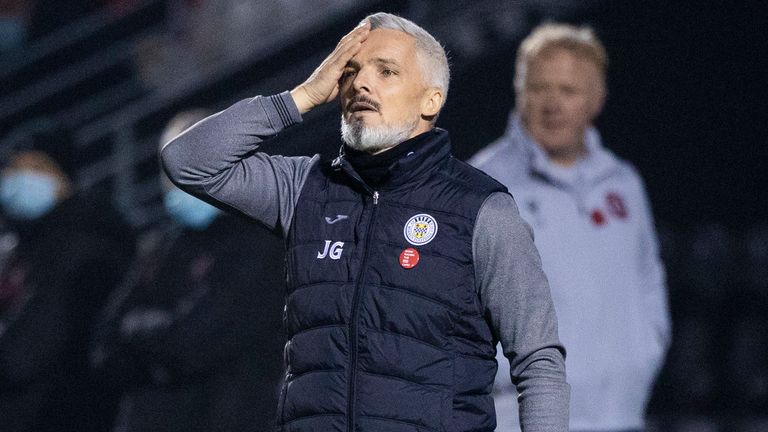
(687, 103)
(687, 106)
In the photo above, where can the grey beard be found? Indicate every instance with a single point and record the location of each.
(374, 139)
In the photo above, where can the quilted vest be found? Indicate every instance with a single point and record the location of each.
(385, 328)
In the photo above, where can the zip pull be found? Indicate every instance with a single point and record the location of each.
(375, 197)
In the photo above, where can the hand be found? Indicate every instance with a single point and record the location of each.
(323, 85)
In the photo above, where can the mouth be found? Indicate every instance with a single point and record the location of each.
(362, 106)
(552, 124)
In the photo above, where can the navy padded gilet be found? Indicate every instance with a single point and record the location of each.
(373, 346)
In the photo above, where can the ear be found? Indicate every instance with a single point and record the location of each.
(432, 102)
(601, 93)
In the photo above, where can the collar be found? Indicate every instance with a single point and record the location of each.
(597, 162)
(375, 168)
(416, 156)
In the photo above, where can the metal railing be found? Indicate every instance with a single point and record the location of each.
(273, 64)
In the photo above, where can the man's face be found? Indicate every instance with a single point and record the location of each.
(562, 94)
(383, 87)
(39, 163)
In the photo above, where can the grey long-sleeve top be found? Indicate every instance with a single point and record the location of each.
(218, 160)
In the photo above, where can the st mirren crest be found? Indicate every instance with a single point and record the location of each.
(420, 229)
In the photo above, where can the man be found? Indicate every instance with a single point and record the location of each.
(593, 226)
(406, 266)
(185, 340)
(71, 250)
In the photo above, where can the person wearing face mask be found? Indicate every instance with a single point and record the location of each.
(185, 340)
(14, 23)
(593, 226)
(68, 251)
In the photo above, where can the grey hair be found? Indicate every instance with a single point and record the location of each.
(580, 41)
(432, 57)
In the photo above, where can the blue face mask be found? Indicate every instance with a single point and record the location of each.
(13, 33)
(27, 195)
(188, 210)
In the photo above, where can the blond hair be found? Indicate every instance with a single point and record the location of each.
(579, 41)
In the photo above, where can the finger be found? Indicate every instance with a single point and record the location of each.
(358, 34)
(348, 49)
(338, 59)
(347, 52)
(334, 93)
(363, 27)
(361, 31)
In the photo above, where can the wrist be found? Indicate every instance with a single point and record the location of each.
(301, 99)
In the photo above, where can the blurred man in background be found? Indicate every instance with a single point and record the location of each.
(593, 226)
(69, 250)
(193, 338)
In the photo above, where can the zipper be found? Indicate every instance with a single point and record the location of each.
(353, 319)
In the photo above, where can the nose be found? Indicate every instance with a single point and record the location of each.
(361, 81)
(551, 101)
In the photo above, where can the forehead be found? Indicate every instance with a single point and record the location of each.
(34, 161)
(562, 63)
(31, 159)
(388, 44)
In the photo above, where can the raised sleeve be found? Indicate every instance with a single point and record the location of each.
(217, 160)
(518, 306)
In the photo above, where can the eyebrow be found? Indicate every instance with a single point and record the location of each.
(386, 61)
(378, 60)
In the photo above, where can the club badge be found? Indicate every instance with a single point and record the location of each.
(420, 229)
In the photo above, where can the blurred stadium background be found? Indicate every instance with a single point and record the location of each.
(687, 105)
